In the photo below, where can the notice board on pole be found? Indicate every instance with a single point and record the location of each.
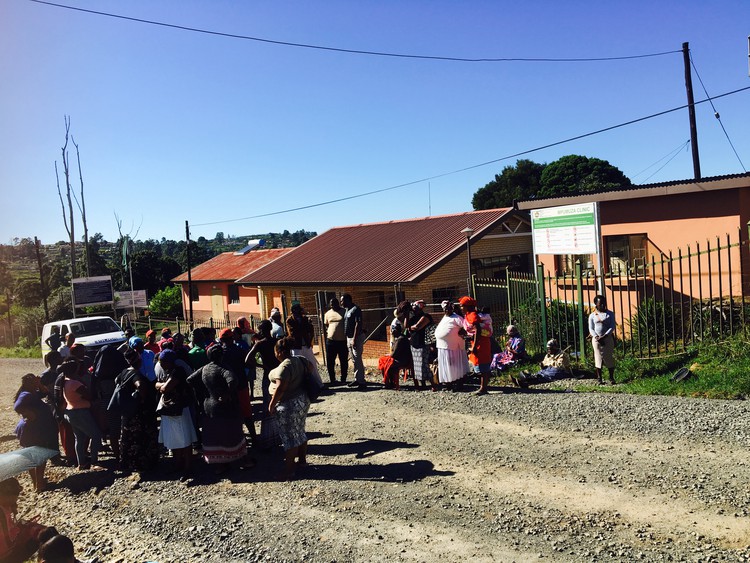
(92, 291)
(569, 229)
(130, 299)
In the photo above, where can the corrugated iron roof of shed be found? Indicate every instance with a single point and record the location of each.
(385, 252)
(228, 267)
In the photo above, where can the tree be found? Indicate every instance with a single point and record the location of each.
(580, 174)
(68, 221)
(152, 272)
(518, 182)
(96, 265)
(167, 302)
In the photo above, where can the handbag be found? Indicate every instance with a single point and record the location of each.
(123, 401)
(269, 432)
(168, 407)
(309, 382)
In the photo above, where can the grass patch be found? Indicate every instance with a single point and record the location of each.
(20, 352)
(718, 370)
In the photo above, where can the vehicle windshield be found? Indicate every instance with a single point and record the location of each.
(94, 326)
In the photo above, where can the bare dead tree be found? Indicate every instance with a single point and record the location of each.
(82, 208)
(69, 222)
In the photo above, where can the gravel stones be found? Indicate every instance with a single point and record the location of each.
(407, 476)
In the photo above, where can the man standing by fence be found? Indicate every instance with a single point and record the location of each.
(355, 339)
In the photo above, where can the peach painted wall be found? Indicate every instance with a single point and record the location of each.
(247, 306)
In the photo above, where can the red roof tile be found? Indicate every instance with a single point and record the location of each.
(389, 252)
(227, 266)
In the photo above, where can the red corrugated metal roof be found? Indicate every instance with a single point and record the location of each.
(390, 252)
(227, 266)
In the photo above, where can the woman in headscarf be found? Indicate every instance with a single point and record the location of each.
(139, 446)
(37, 426)
(453, 364)
(216, 390)
(290, 403)
(419, 321)
(479, 327)
(514, 352)
(176, 431)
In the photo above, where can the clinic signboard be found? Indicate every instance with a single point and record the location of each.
(568, 229)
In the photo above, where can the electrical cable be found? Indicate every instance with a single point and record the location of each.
(716, 113)
(667, 162)
(496, 160)
(355, 51)
(675, 150)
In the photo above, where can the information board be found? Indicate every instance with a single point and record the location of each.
(92, 291)
(569, 229)
(129, 299)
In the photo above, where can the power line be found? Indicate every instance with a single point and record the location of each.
(675, 150)
(356, 51)
(472, 167)
(665, 164)
(716, 113)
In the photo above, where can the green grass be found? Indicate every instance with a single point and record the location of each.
(718, 371)
(19, 352)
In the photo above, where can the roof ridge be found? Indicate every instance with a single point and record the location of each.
(502, 211)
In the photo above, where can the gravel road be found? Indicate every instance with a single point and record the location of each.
(407, 476)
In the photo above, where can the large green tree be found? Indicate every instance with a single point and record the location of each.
(518, 182)
(580, 174)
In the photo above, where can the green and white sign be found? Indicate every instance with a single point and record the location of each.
(570, 229)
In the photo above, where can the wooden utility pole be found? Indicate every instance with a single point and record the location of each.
(43, 285)
(190, 277)
(691, 111)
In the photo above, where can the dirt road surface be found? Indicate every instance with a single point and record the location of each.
(421, 476)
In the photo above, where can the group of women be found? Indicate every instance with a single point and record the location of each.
(191, 399)
(462, 335)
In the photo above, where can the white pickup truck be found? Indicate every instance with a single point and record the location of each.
(92, 332)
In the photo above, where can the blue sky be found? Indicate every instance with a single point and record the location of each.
(177, 126)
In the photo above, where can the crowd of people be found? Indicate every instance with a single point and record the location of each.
(156, 398)
(444, 354)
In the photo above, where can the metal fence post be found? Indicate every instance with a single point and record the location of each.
(579, 298)
(542, 302)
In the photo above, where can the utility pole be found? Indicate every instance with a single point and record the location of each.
(691, 111)
(190, 277)
(41, 279)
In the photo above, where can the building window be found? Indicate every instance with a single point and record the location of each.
(441, 293)
(566, 263)
(627, 253)
(373, 312)
(234, 294)
(194, 295)
(494, 268)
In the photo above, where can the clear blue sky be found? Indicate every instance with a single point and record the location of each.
(176, 126)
